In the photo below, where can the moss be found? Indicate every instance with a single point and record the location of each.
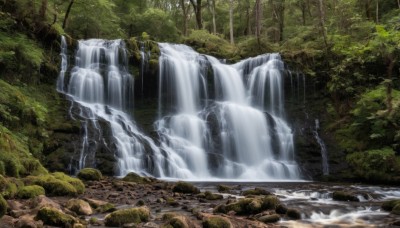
(3, 183)
(281, 209)
(133, 177)
(177, 222)
(124, 216)
(90, 174)
(184, 187)
(168, 216)
(78, 184)
(256, 191)
(396, 209)
(389, 205)
(293, 214)
(223, 188)
(53, 217)
(216, 222)
(10, 191)
(32, 191)
(3, 206)
(249, 205)
(344, 196)
(269, 218)
(2, 168)
(210, 196)
(79, 206)
(57, 186)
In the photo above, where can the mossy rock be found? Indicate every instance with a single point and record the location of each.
(101, 206)
(3, 206)
(281, 209)
(270, 202)
(2, 168)
(80, 207)
(184, 187)
(249, 205)
(32, 191)
(217, 222)
(3, 183)
(256, 191)
(53, 217)
(224, 188)
(269, 218)
(57, 184)
(293, 214)
(11, 188)
(396, 209)
(345, 196)
(90, 174)
(124, 216)
(78, 184)
(211, 196)
(177, 222)
(389, 205)
(135, 178)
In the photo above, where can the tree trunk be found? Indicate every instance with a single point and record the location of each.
(303, 12)
(368, 9)
(197, 11)
(281, 12)
(231, 21)
(248, 29)
(43, 9)
(213, 17)
(391, 62)
(322, 23)
(184, 13)
(398, 3)
(377, 11)
(258, 12)
(67, 13)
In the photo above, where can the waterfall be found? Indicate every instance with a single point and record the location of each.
(324, 152)
(64, 64)
(215, 120)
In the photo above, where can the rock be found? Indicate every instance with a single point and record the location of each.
(101, 206)
(43, 201)
(256, 191)
(249, 205)
(3, 206)
(32, 191)
(171, 201)
(217, 222)
(150, 225)
(224, 188)
(281, 209)
(293, 214)
(345, 196)
(28, 221)
(14, 205)
(396, 209)
(389, 205)
(90, 174)
(211, 196)
(125, 216)
(80, 207)
(177, 222)
(184, 187)
(140, 203)
(269, 218)
(395, 223)
(133, 177)
(53, 217)
(7, 222)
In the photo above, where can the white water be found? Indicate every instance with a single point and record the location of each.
(64, 65)
(324, 152)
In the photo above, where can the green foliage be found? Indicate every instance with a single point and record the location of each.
(32, 191)
(375, 165)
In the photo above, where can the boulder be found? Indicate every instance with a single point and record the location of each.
(389, 205)
(184, 187)
(269, 218)
(256, 192)
(125, 216)
(135, 178)
(54, 217)
(90, 174)
(345, 196)
(217, 222)
(80, 207)
(293, 214)
(28, 192)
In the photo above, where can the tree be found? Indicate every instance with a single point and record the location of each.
(231, 21)
(197, 10)
(258, 17)
(67, 13)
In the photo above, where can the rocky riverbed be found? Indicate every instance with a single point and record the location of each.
(146, 202)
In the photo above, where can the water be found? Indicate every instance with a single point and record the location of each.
(64, 64)
(324, 152)
(214, 120)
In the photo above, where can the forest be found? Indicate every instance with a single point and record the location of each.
(348, 51)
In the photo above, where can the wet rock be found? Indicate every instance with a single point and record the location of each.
(395, 223)
(125, 216)
(80, 207)
(53, 217)
(171, 201)
(150, 225)
(3, 206)
(90, 174)
(396, 209)
(14, 205)
(223, 188)
(7, 222)
(177, 221)
(28, 221)
(100, 206)
(217, 222)
(269, 218)
(281, 209)
(140, 203)
(249, 205)
(255, 192)
(293, 214)
(389, 205)
(345, 196)
(32, 191)
(43, 201)
(184, 187)
(135, 178)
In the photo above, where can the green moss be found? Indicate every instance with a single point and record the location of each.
(389, 205)
(32, 191)
(249, 205)
(57, 184)
(10, 191)
(54, 217)
(2, 168)
(269, 218)
(293, 214)
(108, 207)
(184, 187)
(124, 216)
(177, 222)
(216, 222)
(90, 174)
(3, 206)
(80, 207)
(78, 184)
(344, 196)
(223, 188)
(210, 196)
(133, 177)
(256, 191)
(3, 183)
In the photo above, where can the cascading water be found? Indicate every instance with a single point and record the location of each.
(64, 65)
(210, 123)
(324, 152)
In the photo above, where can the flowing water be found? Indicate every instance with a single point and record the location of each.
(214, 120)
(324, 152)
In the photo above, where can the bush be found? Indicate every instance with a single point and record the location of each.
(90, 174)
(32, 191)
